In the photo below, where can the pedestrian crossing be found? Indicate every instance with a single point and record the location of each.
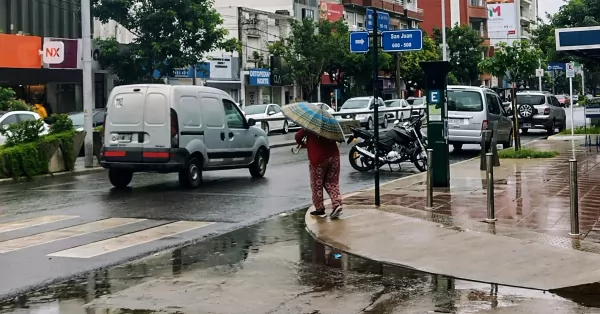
(123, 233)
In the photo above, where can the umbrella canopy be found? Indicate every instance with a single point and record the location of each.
(314, 119)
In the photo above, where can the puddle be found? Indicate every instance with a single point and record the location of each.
(275, 267)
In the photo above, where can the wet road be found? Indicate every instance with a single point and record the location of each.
(52, 229)
(276, 267)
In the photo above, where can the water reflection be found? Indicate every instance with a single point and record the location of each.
(275, 266)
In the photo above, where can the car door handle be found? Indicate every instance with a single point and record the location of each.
(230, 134)
(222, 136)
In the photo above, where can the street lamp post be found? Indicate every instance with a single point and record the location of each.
(444, 44)
(88, 98)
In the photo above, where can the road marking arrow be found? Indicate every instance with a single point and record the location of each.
(359, 41)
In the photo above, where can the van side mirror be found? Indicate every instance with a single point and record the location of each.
(251, 122)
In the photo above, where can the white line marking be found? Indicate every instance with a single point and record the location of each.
(33, 222)
(66, 233)
(131, 239)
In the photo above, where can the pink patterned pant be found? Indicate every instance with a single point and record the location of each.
(326, 175)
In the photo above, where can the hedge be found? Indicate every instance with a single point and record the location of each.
(31, 159)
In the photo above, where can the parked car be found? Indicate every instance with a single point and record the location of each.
(397, 103)
(98, 116)
(10, 117)
(268, 110)
(176, 128)
(471, 110)
(358, 104)
(418, 105)
(539, 110)
(564, 100)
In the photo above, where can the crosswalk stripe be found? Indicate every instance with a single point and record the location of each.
(62, 234)
(131, 239)
(33, 222)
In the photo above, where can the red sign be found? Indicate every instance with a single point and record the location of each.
(512, 32)
(331, 11)
(70, 54)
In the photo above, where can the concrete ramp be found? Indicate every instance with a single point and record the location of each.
(429, 247)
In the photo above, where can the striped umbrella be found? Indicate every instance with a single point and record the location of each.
(315, 120)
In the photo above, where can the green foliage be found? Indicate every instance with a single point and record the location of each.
(526, 153)
(99, 129)
(465, 48)
(60, 123)
(9, 103)
(169, 35)
(410, 70)
(31, 159)
(590, 129)
(22, 132)
(520, 60)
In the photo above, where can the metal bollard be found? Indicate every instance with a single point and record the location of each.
(574, 198)
(494, 148)
(429, 178)
(485, 135)
(489, 178)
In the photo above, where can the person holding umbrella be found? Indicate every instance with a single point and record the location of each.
(319, 134)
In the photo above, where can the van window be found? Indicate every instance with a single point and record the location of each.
(531, 99)
(213, 112)
(154, 112)
(235, 120)
(459, 100)
(190, 112)
(130, 109)
(492, 104)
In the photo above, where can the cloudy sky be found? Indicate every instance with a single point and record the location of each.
(550, 6)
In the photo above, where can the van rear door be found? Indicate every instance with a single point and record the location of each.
(124, 134)
(157, 130)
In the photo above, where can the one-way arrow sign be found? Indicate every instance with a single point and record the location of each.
(359, 42)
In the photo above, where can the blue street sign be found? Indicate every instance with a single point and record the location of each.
(359, 42)
(383, 21)
(402, 40)
(556, 66)
(434, 97)
(259, 77)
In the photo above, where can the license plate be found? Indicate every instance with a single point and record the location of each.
(124, 138)
(456, 121)
(526, 125)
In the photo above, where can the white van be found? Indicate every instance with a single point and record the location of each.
(175, 128)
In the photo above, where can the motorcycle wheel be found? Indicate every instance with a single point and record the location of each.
(420, 160)
(355, 158)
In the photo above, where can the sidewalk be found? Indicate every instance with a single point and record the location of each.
(80, 169)
(523, 248)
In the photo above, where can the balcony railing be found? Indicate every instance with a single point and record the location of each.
(477, 3)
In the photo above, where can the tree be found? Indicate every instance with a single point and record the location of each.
(465, 49)
(515, 63)
(169, 35)
(410, 70)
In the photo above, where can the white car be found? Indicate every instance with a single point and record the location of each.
(324, 106)
(397, 103)
(258, 112)
(9, 117)
(417, 104)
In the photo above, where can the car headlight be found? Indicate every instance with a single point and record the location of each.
(360, 116)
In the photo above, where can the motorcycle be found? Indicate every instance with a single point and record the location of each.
(401, 144)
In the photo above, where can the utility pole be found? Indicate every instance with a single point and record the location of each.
(88, 97)
(444, 44)
(242, 57)
(194, 75)
(376, 102)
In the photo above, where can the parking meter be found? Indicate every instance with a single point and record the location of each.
(436, 83)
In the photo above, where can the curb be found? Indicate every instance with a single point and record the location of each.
(282, 144)
(6, 181)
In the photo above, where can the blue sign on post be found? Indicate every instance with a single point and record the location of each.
(383, 21)
(359, 42)
(402, 40)
(259, 77)
(556, 66)
(434, 97)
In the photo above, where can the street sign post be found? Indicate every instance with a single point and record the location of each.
(570, 69)
(359, 42)
(382, 21)
(402, 40)
(53, 52)
(539, 72)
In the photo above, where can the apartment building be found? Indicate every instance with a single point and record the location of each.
(403, 13)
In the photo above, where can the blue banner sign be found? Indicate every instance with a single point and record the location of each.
(259, 77)
(202, 71)
(556, 66)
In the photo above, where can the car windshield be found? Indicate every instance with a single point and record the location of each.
(77, 118)
(392, 103)
(464, 101)
(2, 113)
(255, 109)
(415, 101)
(356, 103)
(531, 99)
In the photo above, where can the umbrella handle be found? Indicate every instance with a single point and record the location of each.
(296, 150)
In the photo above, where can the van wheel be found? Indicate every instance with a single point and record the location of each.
(259, 165)
(191, 176)
(286, 127)
(120, 178)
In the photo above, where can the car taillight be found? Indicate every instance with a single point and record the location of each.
(104, 125)
(174, 129)
(547, 111)
(484, 125)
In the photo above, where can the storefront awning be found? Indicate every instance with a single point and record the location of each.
(224, 84)
(12, 76)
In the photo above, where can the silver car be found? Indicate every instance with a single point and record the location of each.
(539, 110)
(472, 110)
(400, 104)
(358, 104)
